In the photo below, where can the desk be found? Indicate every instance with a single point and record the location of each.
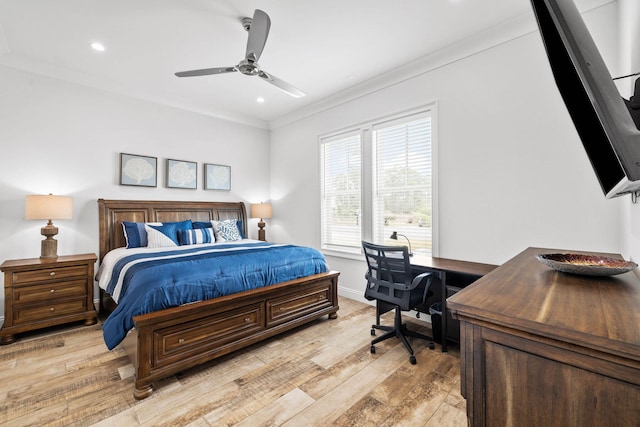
(539, 347)
(453, 275)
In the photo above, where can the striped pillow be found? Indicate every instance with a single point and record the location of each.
(195, 236)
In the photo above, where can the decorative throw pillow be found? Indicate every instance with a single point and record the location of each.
(195, 236)
(135, 234)
(240, 225)
(226, 230)
(159, 236)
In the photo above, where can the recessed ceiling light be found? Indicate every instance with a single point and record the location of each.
(97, 46)
(260, 100)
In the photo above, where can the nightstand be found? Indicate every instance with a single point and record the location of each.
(39, 293)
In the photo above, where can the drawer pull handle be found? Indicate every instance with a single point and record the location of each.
(53, 273)
(247, 319)
(52, 291)
(281, 308)
(181, 341)
(52, 309)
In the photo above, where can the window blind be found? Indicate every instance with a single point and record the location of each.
(341, 192)
(402, 181)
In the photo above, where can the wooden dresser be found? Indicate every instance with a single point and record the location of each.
(543, 348)
(41, 293)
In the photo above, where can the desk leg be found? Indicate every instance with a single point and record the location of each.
(443, 323)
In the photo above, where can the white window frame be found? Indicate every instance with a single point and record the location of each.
(366, 218)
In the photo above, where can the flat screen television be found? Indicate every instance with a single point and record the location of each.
(599, 113)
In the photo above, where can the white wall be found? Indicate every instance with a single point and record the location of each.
(512, 170)
(65, 139)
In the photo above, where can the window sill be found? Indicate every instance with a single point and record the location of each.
(346, 255)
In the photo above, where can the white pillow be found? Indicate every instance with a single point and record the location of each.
(226, 230)
(160, 236)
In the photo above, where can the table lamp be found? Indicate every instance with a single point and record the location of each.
(394, 236)
(262, 211)
(48, 207)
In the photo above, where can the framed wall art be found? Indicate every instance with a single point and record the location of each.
(217, 177)
(138, 170)
(182, 174)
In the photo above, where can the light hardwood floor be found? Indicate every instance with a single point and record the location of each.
(318, 375)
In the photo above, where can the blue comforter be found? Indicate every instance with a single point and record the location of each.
(158, 280)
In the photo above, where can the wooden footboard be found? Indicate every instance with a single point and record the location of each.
(172, 340)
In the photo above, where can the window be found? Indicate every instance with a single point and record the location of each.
(378, 179)
(341, 192)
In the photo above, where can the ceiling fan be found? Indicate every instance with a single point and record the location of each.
(258, 28)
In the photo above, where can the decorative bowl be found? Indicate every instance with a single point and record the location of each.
(586, 265)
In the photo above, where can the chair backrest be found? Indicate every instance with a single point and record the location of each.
(388, 271)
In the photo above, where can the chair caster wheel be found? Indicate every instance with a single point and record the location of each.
(373, 349)
(373, 332)
(432, 345)
(412, 359)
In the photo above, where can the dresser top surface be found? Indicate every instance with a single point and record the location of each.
(524, 294)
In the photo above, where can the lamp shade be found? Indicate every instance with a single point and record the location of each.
(261, 210)
(48, 207)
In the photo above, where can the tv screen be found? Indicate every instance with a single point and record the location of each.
(597, 109)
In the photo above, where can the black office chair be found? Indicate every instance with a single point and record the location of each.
(391, 283)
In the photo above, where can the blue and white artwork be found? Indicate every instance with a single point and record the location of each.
(182, 174)
(217, 177)
(138, 170)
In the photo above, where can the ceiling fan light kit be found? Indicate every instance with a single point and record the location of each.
(258, 28)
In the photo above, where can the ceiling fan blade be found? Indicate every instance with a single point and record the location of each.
(206, 71)
(282, 85)
(258, 33)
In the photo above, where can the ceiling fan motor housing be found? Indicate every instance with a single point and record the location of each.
(248, 67)
(246, 23)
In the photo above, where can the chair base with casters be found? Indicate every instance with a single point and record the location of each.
(399, 330)
(390, 282)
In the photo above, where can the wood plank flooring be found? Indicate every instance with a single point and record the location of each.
(318, 375)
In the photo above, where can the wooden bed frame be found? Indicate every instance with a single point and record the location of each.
(169, 341)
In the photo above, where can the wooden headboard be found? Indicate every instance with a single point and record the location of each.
(113, 212)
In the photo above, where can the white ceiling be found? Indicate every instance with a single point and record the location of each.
(323, 47)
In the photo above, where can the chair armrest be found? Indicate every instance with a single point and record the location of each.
(423, 277)
(419, 278)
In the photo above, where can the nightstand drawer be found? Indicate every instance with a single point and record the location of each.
(49, 292)
(32, 276)
(44, 312)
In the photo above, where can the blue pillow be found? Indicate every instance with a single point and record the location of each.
(240, 225)
(159, 236)
(195, 236)
(202, 224)
(136, 235)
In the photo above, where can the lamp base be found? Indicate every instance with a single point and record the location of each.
(49, 246)
(261, 232)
